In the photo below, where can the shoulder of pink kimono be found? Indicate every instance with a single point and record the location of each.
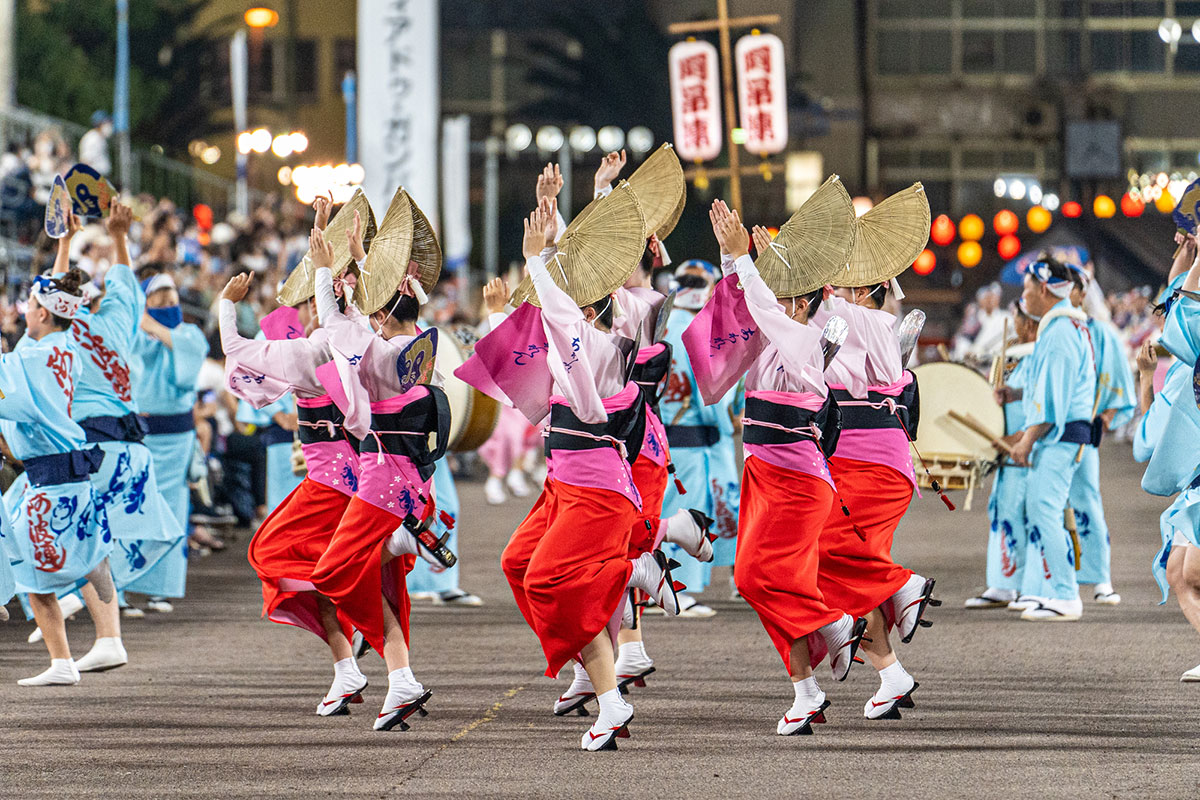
(722, 341)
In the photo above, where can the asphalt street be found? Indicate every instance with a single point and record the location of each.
(217, 702)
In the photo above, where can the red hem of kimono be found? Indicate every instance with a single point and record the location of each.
(650, 479)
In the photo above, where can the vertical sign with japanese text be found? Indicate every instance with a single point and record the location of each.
(696, 101)
(762, 92)
(398, 114)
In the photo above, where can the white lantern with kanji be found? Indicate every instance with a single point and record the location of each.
(696, 101)
(762, 92)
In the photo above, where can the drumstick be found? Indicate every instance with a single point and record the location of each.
(998, 374)
(978, 427)
(1095, 409)
(1069, 524)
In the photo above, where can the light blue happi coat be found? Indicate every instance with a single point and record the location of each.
(143, 528)
(1060, 388)
(165, 386)
(57, 534)
(425, 577)
(8, 583)
(709, 474)
(1008, 539)
(281, 481)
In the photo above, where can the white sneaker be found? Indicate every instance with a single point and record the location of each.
(887, 704)
(578, 693)
(160, 605)
(62, 672)
(909, 604)
(691, 607)
(1055, 611)
(493, 491)
(515, 481)
(842, 638)
(689, 529)
(70, 605)
(991, 598)
(457, 597)
(799, 719)
(604, 732)
(1105, 595)
(1191, 676)
(107, 653)
(652, 574)
(342, 692)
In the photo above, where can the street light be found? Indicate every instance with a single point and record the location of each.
(582, 139)
(518, 137)
(611, 138)
(261, 18)
(260, 140)
(1170, 31)
(550, 139)
(640, 139)
(281, 145)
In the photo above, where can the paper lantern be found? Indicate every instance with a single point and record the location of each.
(1038, 219)
(1005, 222)
(942, 231)
(1103, 207)
(1008, 247)
(1132, 205)
(1072, 210)
(971, 228)
(970, 253)
(1165, 203)
(925, 262)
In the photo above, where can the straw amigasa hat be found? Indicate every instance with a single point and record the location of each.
(405, 236)
(298, 288)
(598, 252)
(660, 188)
(890, 237)
(813, 245)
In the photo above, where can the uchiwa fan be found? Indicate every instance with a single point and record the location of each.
(298, 287)
(890, 237)
(660, 188)
(404, 235)
(813, 245)
(597, 253)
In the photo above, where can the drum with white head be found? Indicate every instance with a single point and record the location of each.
(473, 415)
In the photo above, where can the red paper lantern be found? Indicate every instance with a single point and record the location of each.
(1008, 247)
(1005, 222)
(941, 231)
(1072, 210)
(1132, 205)
(925, 262)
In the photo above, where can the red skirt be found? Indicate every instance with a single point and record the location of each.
(568, 566)
(779, 528)
(286, 549)
(351, 574)
(858, 576)
(651, 482)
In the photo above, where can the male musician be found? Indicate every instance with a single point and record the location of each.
(1058, 402)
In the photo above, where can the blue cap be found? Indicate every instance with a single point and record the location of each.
(100, 117)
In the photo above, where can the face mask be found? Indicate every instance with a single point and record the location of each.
(169, 316)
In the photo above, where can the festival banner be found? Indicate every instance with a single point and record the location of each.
(696, 101)
(762, 92)
(456, 193)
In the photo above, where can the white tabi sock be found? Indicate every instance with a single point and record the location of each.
(807, 691)
(347, 668)
(613, 709)
(894, 680)
(632, 659)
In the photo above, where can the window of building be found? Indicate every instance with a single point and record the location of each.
(1063, 52)
(1001, 9)
(1127, 51)
(933, 52)
(907, 9)
(920, 52)
(1127, 8)
(306, 68)
(261, 78)
(1009, 51)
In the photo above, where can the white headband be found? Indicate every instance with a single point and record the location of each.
(1061, 289)
(50, 297)
(160, 281)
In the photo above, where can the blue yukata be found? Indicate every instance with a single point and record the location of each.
(425, 577)
(1118, 393)
(144, 529)
(8, 584)
(1177, 468)
(165, 393)
(702, 450)
(1060, 390)
(281, 481)
(1008, 539)
(58, 532)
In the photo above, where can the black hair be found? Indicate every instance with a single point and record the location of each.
(604, 310)
(878, 299)
(1077, 279)
(69, 284)
(1058, 270)
(646, 263)
(690, 280)
(814, 298)
(402, 308)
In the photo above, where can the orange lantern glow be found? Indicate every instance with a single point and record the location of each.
(970, 228)
(1005, 222)
(261, 18)
(925, 262)
(1103, 207)
(1132, 205)
(941, 232)
(1038, 219)
(1165, 203)
(1072, 210)
(970, 253)
(1008, 247)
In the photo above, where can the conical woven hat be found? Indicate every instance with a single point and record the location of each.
(890, 237)
(660, 188)
(404, 235)
(298, 287)
(597, 254)
(813, 245)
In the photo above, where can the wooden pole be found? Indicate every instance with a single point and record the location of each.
(735, 173)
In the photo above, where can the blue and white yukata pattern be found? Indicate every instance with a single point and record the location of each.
(143, 528)
(166, 386)
(424, 576)
(281, 481)
(8, 583)
(1176, 419)
(1060, 388)
(709, 474)
(56, 535)
(1008, 538)
(1117, 392)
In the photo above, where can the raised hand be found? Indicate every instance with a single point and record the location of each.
(610, 167)
(495, 295)
(716, 215)
(323, 205)
(737, 239)
(120, 217)
(535, 233)
(322, 251)
(357, 252)
(237, 287)
(1147, 358)
(762, 239)
(549, 183)
(550, 208)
